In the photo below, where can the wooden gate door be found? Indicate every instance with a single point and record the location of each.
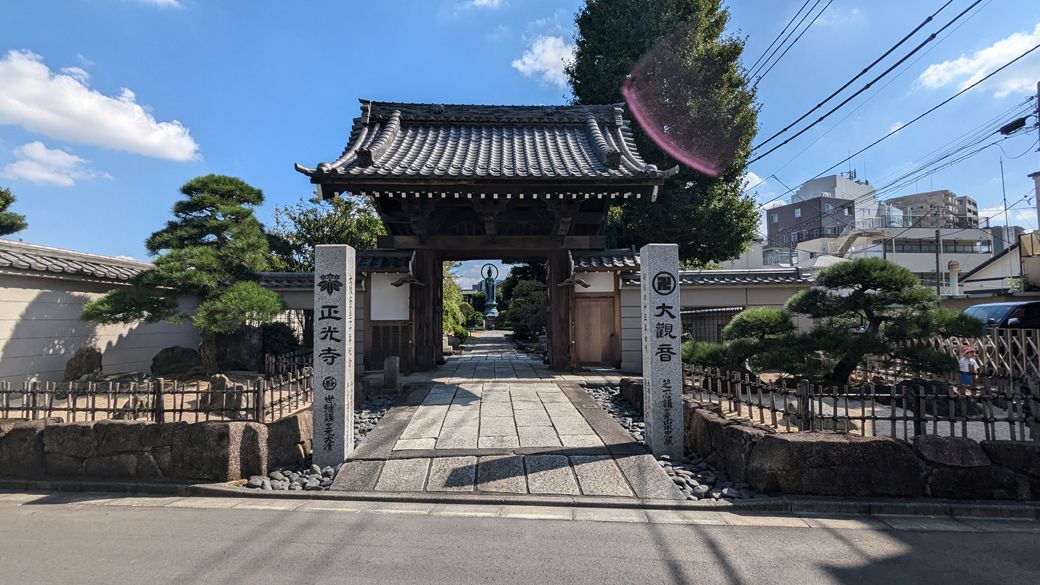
(388, 338)
(595, 336)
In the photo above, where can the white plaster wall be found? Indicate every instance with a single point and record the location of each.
(40, 329)
(995, 275)
(600, 282)
(389, 303)
(631, 331)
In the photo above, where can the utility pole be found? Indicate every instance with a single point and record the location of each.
(1036, 176)
(938, 254)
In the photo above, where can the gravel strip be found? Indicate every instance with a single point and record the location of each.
(312, 477)
(695, 479)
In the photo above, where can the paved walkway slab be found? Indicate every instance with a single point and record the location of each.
(495, 420)
(403, 475)
(452, 474)
(550, 474)
(502, 474)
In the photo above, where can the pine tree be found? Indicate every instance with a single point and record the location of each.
(9, 222)
(696, 67)
(211, 251)
(865, 309)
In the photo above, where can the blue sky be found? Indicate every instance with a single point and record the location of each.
(109, 106)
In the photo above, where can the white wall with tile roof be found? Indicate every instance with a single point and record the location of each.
(40, 330)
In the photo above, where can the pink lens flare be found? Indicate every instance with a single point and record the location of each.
(692, 102)
(655, 130)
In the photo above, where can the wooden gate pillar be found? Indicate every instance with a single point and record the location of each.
(561, 312)
(426, 309)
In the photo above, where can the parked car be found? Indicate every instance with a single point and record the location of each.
(1017, 315)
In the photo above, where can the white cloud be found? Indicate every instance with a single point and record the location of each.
(967, 69)
(163, 3)
(751, 181)
(837, 16)
(545, 59)
(79, 73)
(895, 126)
(1015, 216)
(62, 106)
(36, 163)
(484, 3)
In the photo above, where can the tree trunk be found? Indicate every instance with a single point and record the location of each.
(208, 353)
(839, 376)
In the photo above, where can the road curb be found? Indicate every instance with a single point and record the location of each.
(787, 504)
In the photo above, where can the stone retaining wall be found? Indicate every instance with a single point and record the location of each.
(836, 464)
(146, 451)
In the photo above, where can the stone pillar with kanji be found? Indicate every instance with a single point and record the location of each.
(662, 357)
(333, 380)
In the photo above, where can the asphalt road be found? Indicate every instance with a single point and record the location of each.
(51, 540)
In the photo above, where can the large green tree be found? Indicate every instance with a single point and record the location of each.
(689, 70)
(9, 222)
(342, 220)
(212, 250)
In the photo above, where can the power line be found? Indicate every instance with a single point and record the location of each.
(930, 110)
(860, 74)
(865, 87)
(895, 184)
(804, 30)
(780, 34)
(769, 57)
(890, 81)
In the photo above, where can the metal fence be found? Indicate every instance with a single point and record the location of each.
(261, 400)
(1010, 411)
(1002, 353)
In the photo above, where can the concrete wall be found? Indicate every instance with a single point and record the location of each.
(40, 329)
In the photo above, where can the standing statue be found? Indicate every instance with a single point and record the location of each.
(490, 273)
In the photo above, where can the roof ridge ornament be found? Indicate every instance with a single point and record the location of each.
(367, 156)
(607, 154)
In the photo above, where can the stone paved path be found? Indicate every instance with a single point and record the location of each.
(493, 419)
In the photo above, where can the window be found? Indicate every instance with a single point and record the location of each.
(774, 217)
(827, 207)
(797, 212)
(848, 211)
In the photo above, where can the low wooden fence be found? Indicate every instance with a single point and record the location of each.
(1002, 353)
(261, 400)
(1011, 411)
(287, 363)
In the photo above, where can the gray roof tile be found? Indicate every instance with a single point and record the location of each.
(740, 277)
(58, 262)
(398, 140)
(616, 259)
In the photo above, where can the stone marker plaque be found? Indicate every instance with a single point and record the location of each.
(662, 358)
(333, 381)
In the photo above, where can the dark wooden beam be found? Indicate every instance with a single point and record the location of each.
(426, 308)
(561, 306)
(491, 246)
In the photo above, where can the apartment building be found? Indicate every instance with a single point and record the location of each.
(938, 209)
